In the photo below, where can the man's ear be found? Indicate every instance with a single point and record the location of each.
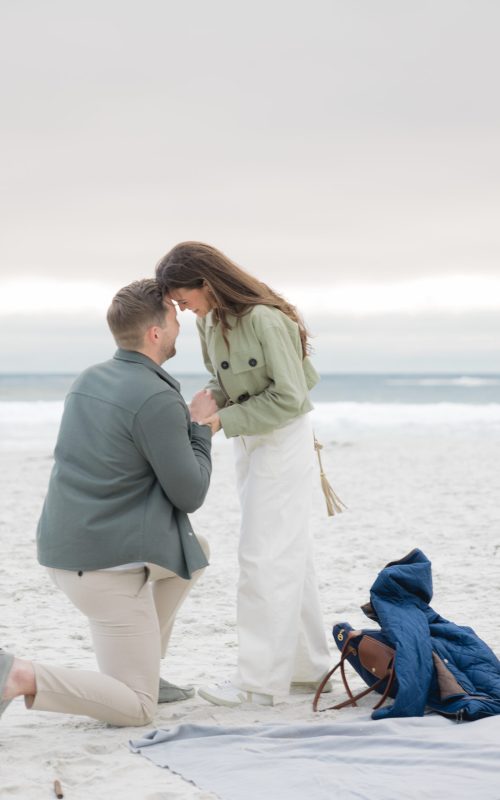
(152, 335)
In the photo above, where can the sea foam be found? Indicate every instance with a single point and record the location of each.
(405, 414)
(465, 381)
(31, 414)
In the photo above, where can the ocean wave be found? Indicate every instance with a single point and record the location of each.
(466, 381)
(24, 414)
(404, 414)
(30, 412)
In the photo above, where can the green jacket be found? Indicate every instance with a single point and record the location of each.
(129, 465)
(262, 381)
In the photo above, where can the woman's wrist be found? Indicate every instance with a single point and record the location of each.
(213, 423)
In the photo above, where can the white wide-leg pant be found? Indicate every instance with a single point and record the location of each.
(280, 626)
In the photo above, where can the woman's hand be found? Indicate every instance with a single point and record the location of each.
(213, 421)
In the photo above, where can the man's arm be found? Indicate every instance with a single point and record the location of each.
(180, 461)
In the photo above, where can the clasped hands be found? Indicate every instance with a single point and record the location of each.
(203, 410)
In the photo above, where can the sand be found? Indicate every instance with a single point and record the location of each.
(433, 486)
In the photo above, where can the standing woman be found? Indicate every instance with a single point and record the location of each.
(255, 346)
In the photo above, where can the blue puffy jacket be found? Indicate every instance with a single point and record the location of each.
(439, 665)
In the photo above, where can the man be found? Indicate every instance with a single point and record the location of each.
(130, 463)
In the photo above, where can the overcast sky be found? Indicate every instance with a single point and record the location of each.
(347, 153)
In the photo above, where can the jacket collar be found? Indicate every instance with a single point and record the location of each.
(140, 358)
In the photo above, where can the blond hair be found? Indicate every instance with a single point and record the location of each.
(133, 310)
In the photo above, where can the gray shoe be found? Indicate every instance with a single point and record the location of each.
(6, 661)
(170, 693)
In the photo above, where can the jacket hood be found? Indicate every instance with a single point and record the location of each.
(408, 578)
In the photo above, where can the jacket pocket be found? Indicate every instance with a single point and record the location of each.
(248, 360)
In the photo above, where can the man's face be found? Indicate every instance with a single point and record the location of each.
(168, 332)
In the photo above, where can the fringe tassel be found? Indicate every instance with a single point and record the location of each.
(334, 504)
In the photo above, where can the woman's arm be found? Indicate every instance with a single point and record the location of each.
(213, 384)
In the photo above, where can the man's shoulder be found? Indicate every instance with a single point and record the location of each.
(127, 384)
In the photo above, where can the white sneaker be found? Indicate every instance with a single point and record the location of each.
(227, 694)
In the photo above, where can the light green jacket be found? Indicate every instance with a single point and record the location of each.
(129, 466)
(262, 381)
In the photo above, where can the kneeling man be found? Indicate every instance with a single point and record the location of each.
(131, 461)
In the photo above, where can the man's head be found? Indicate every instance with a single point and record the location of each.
(142, 319)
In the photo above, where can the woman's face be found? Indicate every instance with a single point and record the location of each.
(196, 300)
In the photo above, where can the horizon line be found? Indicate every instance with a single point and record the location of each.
(461, 373)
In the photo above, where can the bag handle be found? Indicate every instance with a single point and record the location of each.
(347, 650)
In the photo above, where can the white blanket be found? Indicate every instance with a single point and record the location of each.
(353, 759)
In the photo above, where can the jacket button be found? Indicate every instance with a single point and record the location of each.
(243, 397)
(225, 364)
(253, 362)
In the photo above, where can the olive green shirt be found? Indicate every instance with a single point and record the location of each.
(128, 467)
(261, 381)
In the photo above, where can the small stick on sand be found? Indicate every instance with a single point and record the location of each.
(58, 790)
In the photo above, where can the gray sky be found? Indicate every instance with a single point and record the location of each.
(345, 152)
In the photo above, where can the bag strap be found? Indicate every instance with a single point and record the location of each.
(347, 650)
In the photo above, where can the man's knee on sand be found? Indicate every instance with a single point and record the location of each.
(145, 714)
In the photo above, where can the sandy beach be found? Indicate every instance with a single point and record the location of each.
(411, 478)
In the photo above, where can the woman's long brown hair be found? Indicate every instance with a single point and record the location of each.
(190, 265)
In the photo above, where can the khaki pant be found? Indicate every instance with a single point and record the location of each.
(131, 614)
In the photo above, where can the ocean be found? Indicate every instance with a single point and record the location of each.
(345, 405)
(414, 389)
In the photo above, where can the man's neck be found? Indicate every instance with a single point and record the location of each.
(150, 354)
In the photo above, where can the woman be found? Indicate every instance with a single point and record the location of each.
(255, 347)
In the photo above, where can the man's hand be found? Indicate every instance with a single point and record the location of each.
(202, 407)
